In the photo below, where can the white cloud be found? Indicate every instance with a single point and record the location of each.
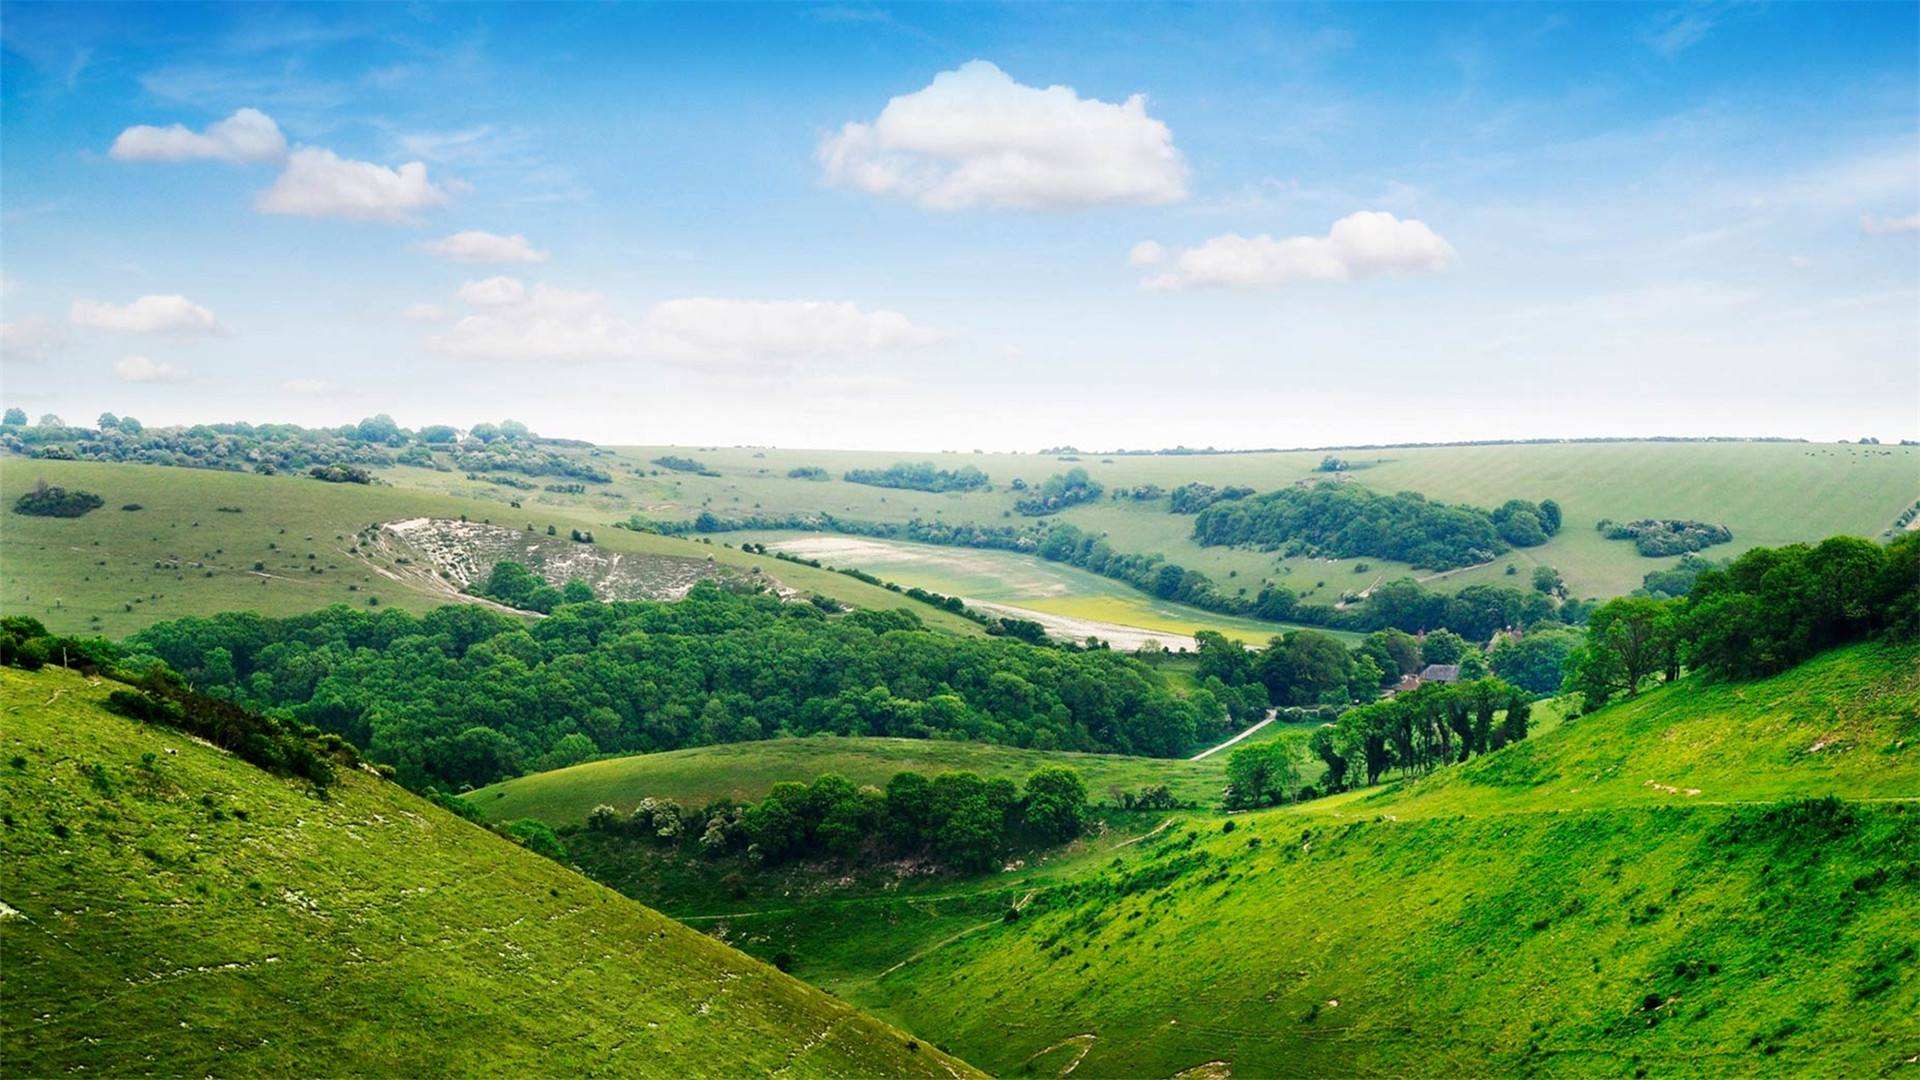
(475, 246)
(492, 292)
(1147, 253)
(1362, 245)
(248, 136)
(545, 323)
(174, 315)
(513, 322)
(975, 137)
(143, 369)
(31, 339)
(320, 183)
(703, 328)
(423, 312)
(1889, 226)
(308, 387)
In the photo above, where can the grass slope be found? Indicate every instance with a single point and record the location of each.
(703, 774)
(169, 908)
(115, 571)
(1547, 909)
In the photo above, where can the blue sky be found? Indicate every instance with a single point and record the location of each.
(1110, 226)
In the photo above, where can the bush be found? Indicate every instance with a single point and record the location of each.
(50, 501)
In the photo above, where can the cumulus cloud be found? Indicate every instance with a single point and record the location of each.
(321, 183)
(423, 312)
(1889, 226)
(249, 136)
(175, 315)
(143, 369)
(975, 137)
(1147, 253)
(1362, 245)
(510, 321)
(702, 328)
(475, 246)
(492, 292)
(31, 339)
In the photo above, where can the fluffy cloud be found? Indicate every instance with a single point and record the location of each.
(703, 328)
(975, 137)
(248, 136)
(474, 246)
(321, 183)
(1147, 253)
(514, 323)
(31, 339)
(1362, 245)
(1874, 226)
(174, 315)
(510, 321)
(142, 369)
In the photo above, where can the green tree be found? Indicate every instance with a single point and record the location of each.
(1443, 647)
(1055, 803)
(1263, 774)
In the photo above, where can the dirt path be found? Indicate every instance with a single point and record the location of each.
(1272, 715)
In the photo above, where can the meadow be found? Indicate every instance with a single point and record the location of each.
(115, 570)
(170, 907)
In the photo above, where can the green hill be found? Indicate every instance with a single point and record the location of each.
(204, 541)
(697, 776)
(169, 908)
(1706, 880)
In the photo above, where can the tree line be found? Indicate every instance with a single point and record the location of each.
(463, 696)
(920, 476)
(1058, 492)
(956, 819)
(1349, 521)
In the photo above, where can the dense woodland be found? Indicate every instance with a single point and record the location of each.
(464, 696)
(1348, 521)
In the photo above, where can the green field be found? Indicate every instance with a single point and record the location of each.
(171, 909)
(1767, 493)
(1619, 894)
(742, 771)
(115, 571)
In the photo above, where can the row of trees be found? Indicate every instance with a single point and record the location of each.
(1762, 613)
(464, 696)
(920, 476)
(1348, 521)
(1418, 731)
(1191, 498)
(375, 442)
(957, 819)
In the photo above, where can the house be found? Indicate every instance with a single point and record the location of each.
(1406, 683)
(1440, 673)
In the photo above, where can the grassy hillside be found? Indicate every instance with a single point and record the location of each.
(170, 908)
(115, 571)
(701, 775)
(1566, 905)
(1767, 493)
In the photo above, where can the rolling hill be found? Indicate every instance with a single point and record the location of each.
(1710, 878)
(203, 541)
(703, 774)
(169, 908)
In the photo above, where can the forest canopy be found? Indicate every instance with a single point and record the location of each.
(1348, 521)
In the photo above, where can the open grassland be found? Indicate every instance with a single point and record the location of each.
(115, 571)
(1616, 895)
(742, 771)
(1018, 581)
(1767, 493)
(171, 909)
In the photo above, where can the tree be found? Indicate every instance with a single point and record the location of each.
(1220, 658)
(1396, 651)
(1548, 580)
(1263, 774)
(15, 418)
(478, 756)
(1443, 647)
(1055, 805)
(1535, 663)
(1550, 517)
(1303, 667)
(576, 591)
(1629, 640)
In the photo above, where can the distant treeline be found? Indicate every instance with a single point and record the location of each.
(920, 476)
(1188, 451)
(1349, 521)
(275, 448)
(465, 696)
(955, 818)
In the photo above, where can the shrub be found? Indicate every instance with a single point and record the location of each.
(49, 501)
